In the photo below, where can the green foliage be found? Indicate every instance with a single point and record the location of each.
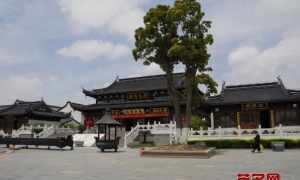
(176, 34)
(190, 47)
(81, 128)
(140, 145)
(206, 79)
(197, 122)
(153, 41)
(71, 126)
(242, 143)
(37, 130)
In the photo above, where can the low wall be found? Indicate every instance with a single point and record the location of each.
(157, 139)
(293, 142)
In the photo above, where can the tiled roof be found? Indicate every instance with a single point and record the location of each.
(146, 83)
(38, 108)
(108, 120)
(4, 107)
(259, 92)
(116, 105)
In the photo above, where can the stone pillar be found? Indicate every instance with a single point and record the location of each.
(238, 119)
(272, 118)
(212, 120)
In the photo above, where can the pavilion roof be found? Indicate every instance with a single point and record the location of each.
(108, 120)
(37, 108)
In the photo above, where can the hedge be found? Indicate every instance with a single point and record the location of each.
(242, 143)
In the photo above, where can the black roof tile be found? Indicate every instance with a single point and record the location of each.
(259, 92)
(146, 83)
(116, 105)
(108, 120)
(39, 108)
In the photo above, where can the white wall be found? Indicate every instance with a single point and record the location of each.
(43, 122)
(75, 114)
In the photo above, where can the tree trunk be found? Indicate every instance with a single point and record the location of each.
(174, 97)
(189, 79)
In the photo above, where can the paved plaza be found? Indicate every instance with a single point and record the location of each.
(90, 164)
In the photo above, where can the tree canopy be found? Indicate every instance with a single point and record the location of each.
(176, 34)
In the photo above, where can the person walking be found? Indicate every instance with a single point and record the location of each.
(256, 144)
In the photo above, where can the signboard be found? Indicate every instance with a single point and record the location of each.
(254, 106)
(140, 113)
(140, 116)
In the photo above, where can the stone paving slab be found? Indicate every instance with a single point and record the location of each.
(90, 164)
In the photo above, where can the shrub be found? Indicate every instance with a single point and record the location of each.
(140, 145)
(71, 126)
(197, 122)
(37, 130)
(81, 128)
(242, 143)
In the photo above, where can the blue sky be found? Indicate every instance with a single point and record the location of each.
(52, 49)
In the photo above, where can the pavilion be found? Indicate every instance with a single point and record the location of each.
(29, 113)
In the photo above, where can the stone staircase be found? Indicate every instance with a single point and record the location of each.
(156, 129)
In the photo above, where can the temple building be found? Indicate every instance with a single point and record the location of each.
(252, 105)
(131, 100)
(75, 118)
(29, 113)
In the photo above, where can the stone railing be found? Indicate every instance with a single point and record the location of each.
(158, 128)
(2, 133)
(131, 135)
(22, 130)
(236, 132)
(155, 128)
(47, 131)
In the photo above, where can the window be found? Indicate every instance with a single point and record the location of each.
(226, 120)
(286, 117)
(249, 119)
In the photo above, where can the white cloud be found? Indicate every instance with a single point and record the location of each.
(89, 50)
(19, 87)
(152, 69)
(239, 20)
(142, 70)
(250, 64)
(115, 16)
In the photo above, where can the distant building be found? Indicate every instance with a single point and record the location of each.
(146, 99)
(251, 105)
(141, 99)
(75, 116)
(29, 113)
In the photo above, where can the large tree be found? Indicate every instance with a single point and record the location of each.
(190, 47)
(152, 43)
(178, 34)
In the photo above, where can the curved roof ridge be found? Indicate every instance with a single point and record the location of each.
(145, 83)
(27, 102)
(252, 85)
(148, 77)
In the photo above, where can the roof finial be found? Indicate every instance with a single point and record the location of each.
(223, 85)
(117, 78)
(280, 81)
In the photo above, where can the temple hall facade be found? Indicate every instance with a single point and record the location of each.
(249, 106)
(132, 100)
